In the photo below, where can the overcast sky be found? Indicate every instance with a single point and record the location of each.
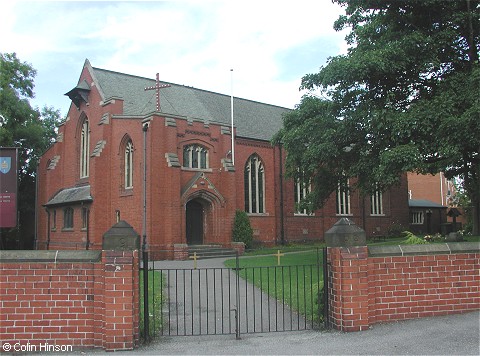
(269, 45)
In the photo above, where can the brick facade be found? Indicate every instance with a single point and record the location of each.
(219, 189)
(433, 187)
(380, 284)
(89, 300)
(437, 189)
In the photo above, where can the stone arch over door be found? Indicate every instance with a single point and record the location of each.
(203, 217)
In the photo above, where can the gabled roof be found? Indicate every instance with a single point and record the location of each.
(423, 203)
(252, 119)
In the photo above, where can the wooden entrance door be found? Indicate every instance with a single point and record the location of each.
(194, 220)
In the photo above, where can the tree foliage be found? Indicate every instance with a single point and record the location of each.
(31, 130)
(405, 97)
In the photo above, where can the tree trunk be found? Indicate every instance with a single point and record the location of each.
(472, 48)
(475, 199)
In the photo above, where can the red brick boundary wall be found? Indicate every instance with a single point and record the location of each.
(69, 298)
(387, 283)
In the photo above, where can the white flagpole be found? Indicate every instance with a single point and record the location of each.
(231, 113)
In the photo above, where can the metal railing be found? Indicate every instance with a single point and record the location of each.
(237, 300)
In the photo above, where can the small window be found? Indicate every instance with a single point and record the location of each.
(84, 218)
(54, 219)
(343, 198)
(416, 218)
(195, 156)
(376, 203)
(68, 218)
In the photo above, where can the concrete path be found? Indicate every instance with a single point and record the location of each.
(204, 301)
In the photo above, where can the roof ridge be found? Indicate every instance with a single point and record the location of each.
(189, 87)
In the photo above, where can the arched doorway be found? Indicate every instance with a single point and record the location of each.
(194, 221)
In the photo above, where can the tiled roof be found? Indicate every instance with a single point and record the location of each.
(423, 203)
(71, 195)
(252, 119)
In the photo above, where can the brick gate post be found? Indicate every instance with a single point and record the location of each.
(121, 300)
(348, 276)
(120, 259)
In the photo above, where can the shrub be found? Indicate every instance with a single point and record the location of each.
(433, 238)
(413, 239)
(242, 230)
(321, 306)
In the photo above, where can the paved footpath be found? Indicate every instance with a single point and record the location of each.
(444, 335)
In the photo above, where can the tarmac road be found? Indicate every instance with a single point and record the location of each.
(444, 335)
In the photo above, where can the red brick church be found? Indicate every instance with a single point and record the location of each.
(93, 176)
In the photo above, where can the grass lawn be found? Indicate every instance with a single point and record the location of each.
(296, 281)
(155, 302)
(306, 247)
(472, 238)
(284, 248)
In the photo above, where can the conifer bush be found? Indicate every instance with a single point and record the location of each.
(242, 230)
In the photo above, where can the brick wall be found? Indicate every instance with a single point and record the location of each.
(77, 299)
(388, 283)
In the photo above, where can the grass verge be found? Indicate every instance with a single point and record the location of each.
(156, 300)
(296, 282)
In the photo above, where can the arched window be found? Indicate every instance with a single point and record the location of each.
(343, 197)
(128, 164)
(254, 181)
(376, 203)
(302, 189)
(84, 149)
(195, 156)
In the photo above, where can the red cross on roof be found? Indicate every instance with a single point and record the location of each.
(157, 88)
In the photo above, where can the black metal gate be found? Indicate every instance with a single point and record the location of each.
(221, 300)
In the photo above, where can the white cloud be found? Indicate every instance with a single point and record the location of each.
(193, 43)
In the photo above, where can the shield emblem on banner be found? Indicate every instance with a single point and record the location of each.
(5, 164)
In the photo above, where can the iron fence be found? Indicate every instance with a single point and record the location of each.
(235, 300)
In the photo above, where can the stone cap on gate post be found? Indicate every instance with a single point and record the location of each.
(121, 291)
(345, 233)
(121, 237)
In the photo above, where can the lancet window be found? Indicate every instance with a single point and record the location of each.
(254, 181)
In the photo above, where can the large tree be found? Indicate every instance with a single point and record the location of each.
(32, 131)
(405, 97)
